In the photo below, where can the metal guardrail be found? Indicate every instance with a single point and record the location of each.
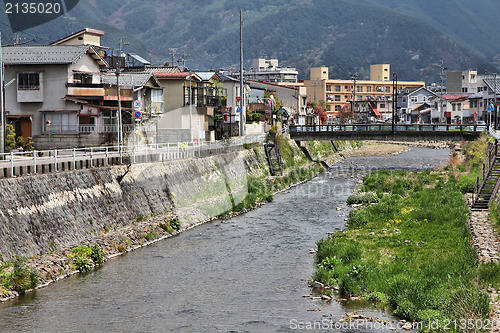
(124, 154)
(388, 128)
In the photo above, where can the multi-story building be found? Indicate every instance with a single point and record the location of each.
(268, 70)
(338, 93)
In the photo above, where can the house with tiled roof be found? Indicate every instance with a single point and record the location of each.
(41, 80)
(190, 102)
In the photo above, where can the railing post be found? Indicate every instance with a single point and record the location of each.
(74, 158)
(12, 164)
(91, 158)
(121, 154)
(146, 152)
(178, 150)
(55, 159)
(34, 160)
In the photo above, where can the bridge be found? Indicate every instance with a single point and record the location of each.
(387, 132)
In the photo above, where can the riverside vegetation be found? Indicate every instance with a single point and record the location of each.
(409, 247)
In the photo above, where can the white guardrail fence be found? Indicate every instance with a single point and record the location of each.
(30, 162)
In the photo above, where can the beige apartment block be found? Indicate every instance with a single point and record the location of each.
(339, 93)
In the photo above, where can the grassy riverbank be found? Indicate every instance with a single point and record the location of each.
(411, 251)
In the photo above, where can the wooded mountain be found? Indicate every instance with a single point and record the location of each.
(345, 35)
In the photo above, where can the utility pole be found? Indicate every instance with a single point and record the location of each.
(242, 90)
(190, 107)
(495, 103)
(2, 103)
(354, 77)
(441, 77)
(173, 51)
(394, 99)
(119, 112)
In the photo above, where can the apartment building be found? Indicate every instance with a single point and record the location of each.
(340, 93)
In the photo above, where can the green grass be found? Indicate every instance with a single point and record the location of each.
(412, 250)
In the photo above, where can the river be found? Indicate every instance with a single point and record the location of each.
(247, 274)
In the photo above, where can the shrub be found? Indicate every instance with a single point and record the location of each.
(362, 198)
(82, 263)
(466, 183)
(97, 255)
(175, 224)
(84, 257)
(166, 227)
(150, 236)
(22, 278)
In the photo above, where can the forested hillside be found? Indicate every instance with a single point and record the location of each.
(347, 36)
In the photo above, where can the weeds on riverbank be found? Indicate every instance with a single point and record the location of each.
(263, 189)
(411, 251)
(85, 257)
(16, 276)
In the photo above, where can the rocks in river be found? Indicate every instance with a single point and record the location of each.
(317, 284)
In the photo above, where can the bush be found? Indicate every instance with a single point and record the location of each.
(84, 257)
(466, 183)
(175, 224)
(97, 255)
(82, 263)
(22, 278)
(362, 198)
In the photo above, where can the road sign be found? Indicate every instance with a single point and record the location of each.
(490, 108)
(137, 104)
(238, 99)
(238, 110)
(137, 114)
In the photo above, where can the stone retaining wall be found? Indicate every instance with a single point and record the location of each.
(46, 212)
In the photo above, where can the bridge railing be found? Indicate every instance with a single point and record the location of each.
(388, 128)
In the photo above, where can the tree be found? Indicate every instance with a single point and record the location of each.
(10, 138)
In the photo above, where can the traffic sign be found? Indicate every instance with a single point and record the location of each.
(238, 99)
(137, 114)
(238, 110)
(490, 108)
(137, 104)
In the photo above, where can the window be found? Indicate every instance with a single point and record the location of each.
(83, 78)
(328, 87)
(337, 88)
(369, 89)
(28, 81)
(387, 89)
(359, 88)
(337, 98)
(414, 99)
(338, 107)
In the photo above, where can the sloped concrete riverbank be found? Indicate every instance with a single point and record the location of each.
(118, 208)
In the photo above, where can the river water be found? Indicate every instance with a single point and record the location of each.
(247, 274)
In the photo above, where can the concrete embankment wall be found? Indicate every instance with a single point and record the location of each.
(45, 212)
